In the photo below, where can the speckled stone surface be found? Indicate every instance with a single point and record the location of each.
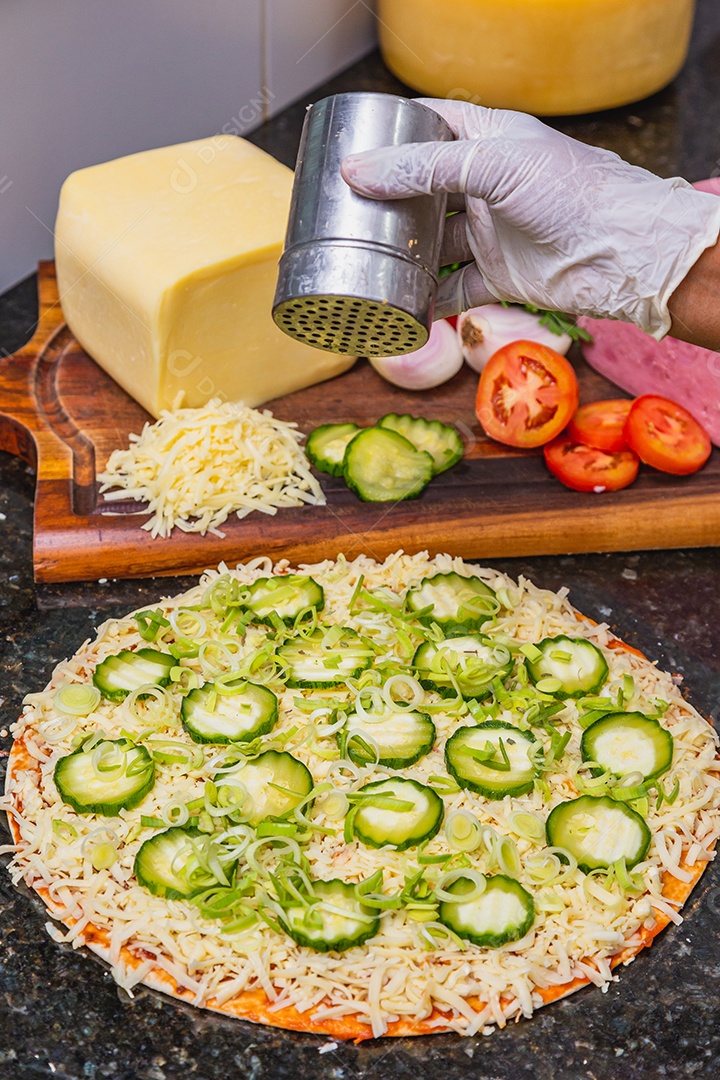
(61, 1014)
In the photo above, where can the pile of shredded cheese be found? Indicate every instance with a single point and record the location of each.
(196, 467)
(394, 975)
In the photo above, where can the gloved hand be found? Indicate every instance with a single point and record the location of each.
(548, 220)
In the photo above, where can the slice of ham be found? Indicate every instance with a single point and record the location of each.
(640, 365)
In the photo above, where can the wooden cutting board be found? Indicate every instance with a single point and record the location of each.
(62, 414)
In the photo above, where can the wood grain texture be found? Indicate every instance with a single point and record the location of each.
(62, 413)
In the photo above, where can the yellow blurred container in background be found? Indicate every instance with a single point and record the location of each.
(550, 57)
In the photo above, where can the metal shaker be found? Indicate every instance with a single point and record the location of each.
(357, 275)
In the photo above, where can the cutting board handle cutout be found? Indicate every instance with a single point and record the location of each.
(33, 422)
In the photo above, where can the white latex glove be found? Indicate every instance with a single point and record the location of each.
(548, 220)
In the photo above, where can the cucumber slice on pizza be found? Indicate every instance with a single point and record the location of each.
(324, 659)
(113, 775)
(267, 786)
(628, 742)
(471, 663)
(332, 918)
(492, 759)
(458, 604)
(501, 912)
(213, 716)
(598, 831)
(397, 812)
(117, 676)
(568, 667)
(395, 739)
(286, 597)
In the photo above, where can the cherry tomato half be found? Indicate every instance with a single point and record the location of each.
(601, 424)
(666, 436)
(585, 468)
(527, 394)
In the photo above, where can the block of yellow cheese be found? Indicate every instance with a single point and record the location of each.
(539, 56)
(166, 264)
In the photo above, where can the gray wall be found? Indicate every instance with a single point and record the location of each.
(88, 80)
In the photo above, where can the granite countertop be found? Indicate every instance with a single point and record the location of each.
(63, 1016)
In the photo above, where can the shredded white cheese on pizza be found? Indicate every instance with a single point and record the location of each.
(580, 923)
(195, 467)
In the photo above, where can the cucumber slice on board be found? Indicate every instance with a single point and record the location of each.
(114, 775)
(598, 831)
(309, 662)
(336, 921)
(402, 737)
(167, 865)
(468, 762)
(418, 816)
(212, 717)
(382, 466)
(117, 676)
(325, 446)
(441, 441)
(274, 783)
(286, 595)
(504, 912)
(459, 604)
(569, 667)
(474, 662)
(628, 742)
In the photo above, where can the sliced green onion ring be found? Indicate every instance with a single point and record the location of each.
(171, 751)
(77, 699)
(235, 840)
(628, 882)
(103, 855)
(64, 830)
(550, 903)
(463, 831)
(548, 684)
(57, 728)
(334, 805)
(527, 826)
(508, 596)
(531, 652)
(478, 880)
(108, 759)
(377, 704)
(326, 731)
(344, 765)
(151, 705)
(230, 683)
(543, 868)
(365, 745)
(187, 623)
(507, 856)
(277, 828)
(175, 813)
(215, 656)
(286, 846)
(103, 834)
(443, 785)
(433, 933)
(567, 860)
(395, 689)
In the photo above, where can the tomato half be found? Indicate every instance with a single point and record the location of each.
(601, 424)
(667, 436)
(585, 468)
(527, 394)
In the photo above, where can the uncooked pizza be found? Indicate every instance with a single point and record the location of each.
(362, 798)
